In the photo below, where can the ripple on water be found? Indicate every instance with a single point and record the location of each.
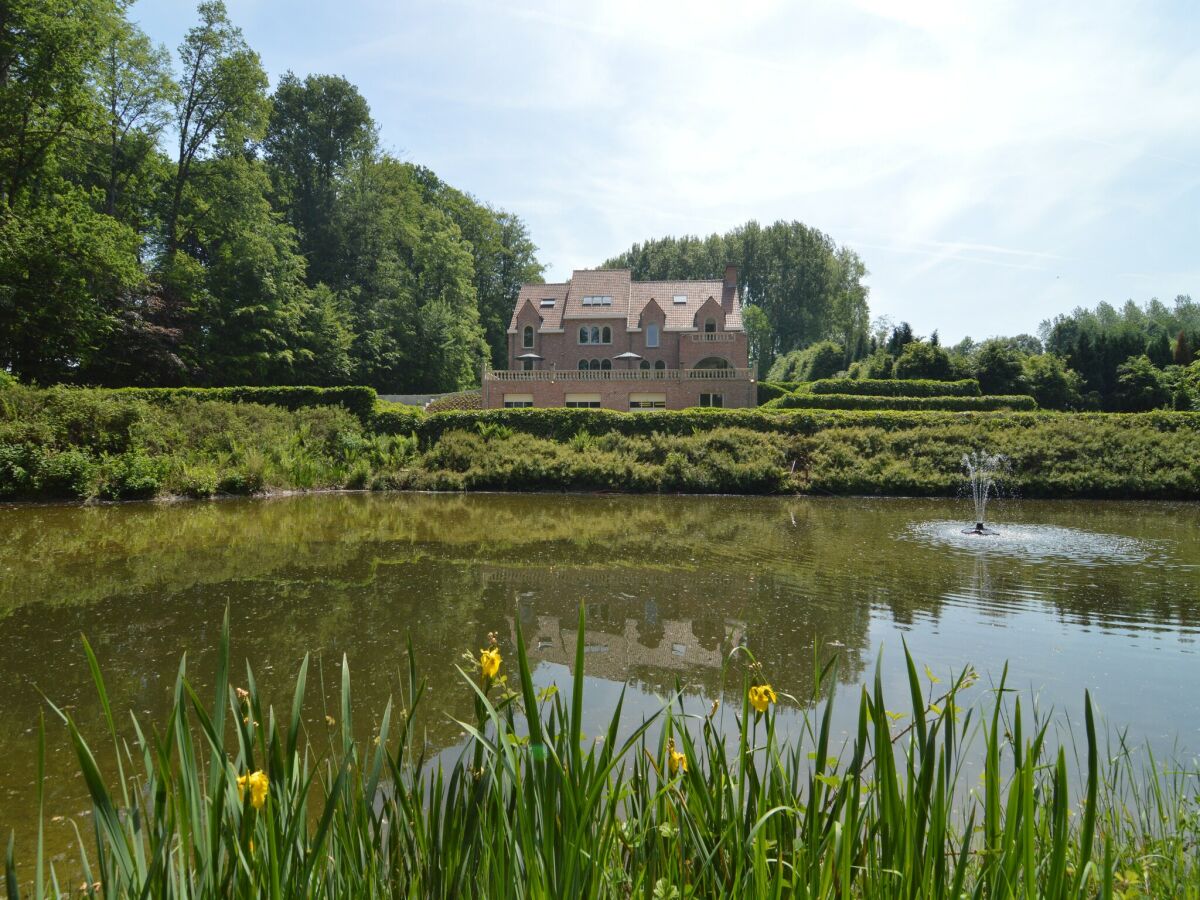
(1036, 543)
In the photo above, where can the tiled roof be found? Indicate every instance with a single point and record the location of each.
(629, 298)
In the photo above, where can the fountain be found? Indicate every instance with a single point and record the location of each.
(981, 469)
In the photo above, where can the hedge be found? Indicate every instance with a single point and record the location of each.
(564, 424)
(771, 390)
(895, 387)
(459, 400)
(395, 418)
(800, 400)
(358, 400)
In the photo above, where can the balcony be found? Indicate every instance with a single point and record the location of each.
(712, 337)
(618, 375)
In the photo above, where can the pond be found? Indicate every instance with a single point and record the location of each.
(1074, 596)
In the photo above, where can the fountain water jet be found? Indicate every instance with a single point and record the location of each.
(981, 469)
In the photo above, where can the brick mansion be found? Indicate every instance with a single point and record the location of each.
(605, 341)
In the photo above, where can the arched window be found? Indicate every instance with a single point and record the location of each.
(527, 338)
(595, 335)
(606, 364)
(583, 365)
(594, 365)
(606, 335)
(651, 335)
(710, 325)
(659, 364)
(645, 364)
(583, 335)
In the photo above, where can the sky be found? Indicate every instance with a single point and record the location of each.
(993, 163)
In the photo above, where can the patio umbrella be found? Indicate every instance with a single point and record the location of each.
(628, 355)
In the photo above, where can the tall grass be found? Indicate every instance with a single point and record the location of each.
(680, 807)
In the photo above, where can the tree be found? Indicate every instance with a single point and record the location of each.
(758, 334)
(222, 102)
(1181, 354)
(901, 336)
(821, 360)
(1140, 386)
(922, 360)
(319, 129)
(1051, 383)
(1158, 350)
(998, 367)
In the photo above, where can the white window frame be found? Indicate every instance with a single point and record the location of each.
(518, 401)
(527, 337)
(647, 401)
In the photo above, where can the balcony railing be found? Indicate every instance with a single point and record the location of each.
(712, 337)
(618, 375)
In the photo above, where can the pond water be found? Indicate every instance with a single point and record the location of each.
(1102, 596)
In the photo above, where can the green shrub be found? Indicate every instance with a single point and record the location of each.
(201, 480)
(800, 400)
(923, 360)
(770, 390)
(895, 387)
(358, 400)
(821, 360)
(131, 476)
(395, 418)
(17, 467)
(65, 474)
(459, 400)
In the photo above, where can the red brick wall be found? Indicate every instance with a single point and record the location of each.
(737, 393)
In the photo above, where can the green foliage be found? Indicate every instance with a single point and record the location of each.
(804, 400)
(1140, 386)
(895, 387)
(684, 805)
(359, 400)
(1049, 381)
(459, 400)
(395, 418)
(770, 390)
(998, 367)
(879, 366)
(821, 360)
(185, 228)
(921, 360)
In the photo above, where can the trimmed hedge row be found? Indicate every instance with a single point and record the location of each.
(801, 400)
(564, 424)
(460, 400)
(894, 387)
(772, 390)
(396, 418)
(358, 400)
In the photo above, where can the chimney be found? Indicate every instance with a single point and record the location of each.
(731, 274)
(729, 287)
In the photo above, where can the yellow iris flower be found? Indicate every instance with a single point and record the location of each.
(489, 661)
(676, 761)
(258, 783)
(761, 696)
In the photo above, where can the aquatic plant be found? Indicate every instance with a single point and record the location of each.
(233, 800)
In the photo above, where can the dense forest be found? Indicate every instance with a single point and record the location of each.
(168, 220)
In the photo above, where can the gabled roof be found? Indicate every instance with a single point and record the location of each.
(629, 298)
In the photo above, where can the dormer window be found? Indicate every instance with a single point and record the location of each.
(592, 300)
(652, 335)
(527, 337)
(547, 303)
(679, 298)
(710, 325)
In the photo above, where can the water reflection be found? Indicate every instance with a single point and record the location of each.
(671, 585)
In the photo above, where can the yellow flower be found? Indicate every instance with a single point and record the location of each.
(489, 661)
(257, 782)
(676, 761)
(761, 696)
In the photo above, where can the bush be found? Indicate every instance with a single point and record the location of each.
(359, 400)
(1140, 386)
(460, 400)
(896, 387)
(921, 360)
(1051, 383)
(769, 390)
(821, 360)
(131, 476)
(395, 418)
(998, 367)
(68, 474)
(801, 400)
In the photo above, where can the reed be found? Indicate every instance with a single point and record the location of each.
(229, 799)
